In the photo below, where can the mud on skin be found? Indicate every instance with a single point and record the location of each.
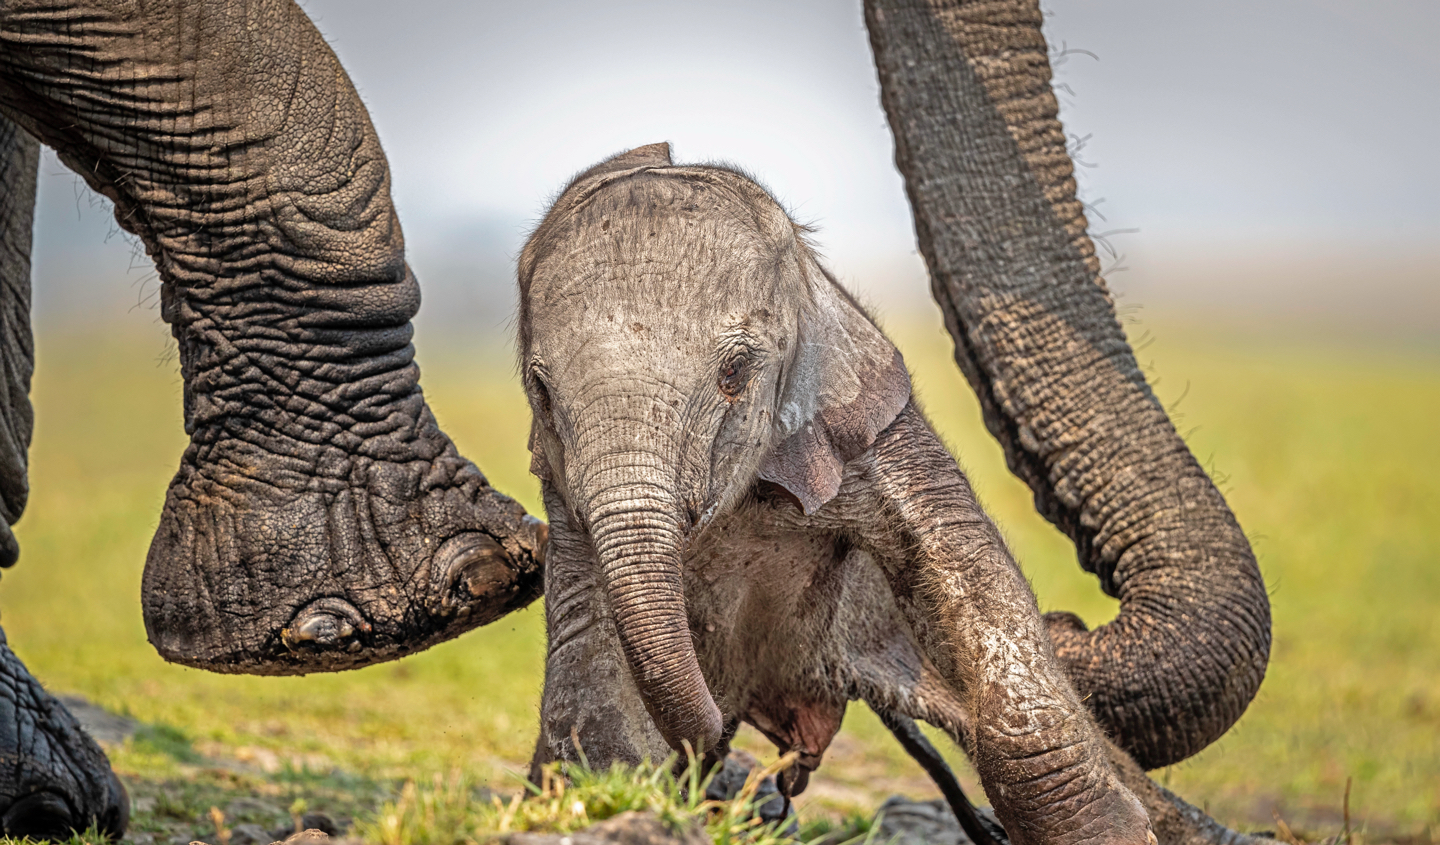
(697, 380)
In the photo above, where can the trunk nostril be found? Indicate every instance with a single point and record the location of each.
(326, 623)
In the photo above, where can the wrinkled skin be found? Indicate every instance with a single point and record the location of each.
(966, 87)
(53, 777)
(319, 519)
(725, 437)
(767, 546)
(751, 521)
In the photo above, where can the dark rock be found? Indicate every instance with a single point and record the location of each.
(624, 829)
(322, 822)
(770, 805)
(249, 834)
(906, 822)
(728, 782)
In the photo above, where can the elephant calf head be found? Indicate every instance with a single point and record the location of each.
(750, 519)
(677, 343)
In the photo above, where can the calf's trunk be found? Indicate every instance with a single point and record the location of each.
(635, 525)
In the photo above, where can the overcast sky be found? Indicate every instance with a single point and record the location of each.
(1299, 125)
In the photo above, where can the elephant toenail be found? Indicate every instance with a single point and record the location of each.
(468, 567)
(326, 623)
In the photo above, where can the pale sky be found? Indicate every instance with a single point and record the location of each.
(1297, 126)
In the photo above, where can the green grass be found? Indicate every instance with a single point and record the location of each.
(456, 810)
(1327, 452)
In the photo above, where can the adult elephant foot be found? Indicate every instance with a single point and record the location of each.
(54, 779)
(320, 519)
(283, 555)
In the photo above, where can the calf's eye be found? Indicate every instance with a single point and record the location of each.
(733, 375)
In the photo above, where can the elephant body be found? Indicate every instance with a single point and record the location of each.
(720, 428)
(790, 622)
(751, 521)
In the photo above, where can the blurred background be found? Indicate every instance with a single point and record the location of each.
(1262, 177)
(1270, 159)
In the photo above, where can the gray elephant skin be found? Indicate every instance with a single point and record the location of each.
(319, 518)
(751, 520)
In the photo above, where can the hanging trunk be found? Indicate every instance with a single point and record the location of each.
(636, 529)
(319, 518)
(966, 87)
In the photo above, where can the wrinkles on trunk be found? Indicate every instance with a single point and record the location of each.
(635, 525)
(319, 519)
(966, 87)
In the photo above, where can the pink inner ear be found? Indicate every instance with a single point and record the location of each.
(810, 461)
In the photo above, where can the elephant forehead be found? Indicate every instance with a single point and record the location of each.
(669, 241)
(661, 264)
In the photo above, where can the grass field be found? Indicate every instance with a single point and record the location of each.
(1327, 450)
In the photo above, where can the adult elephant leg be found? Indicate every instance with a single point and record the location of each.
(19, 164)
(966, 87)
(320, 519)
(54, 779)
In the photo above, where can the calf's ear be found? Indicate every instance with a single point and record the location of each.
(847, 382)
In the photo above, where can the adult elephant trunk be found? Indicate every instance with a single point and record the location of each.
(966, 87)
(636, 525)
(319, 519)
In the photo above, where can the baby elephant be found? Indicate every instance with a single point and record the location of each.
(752, 521)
